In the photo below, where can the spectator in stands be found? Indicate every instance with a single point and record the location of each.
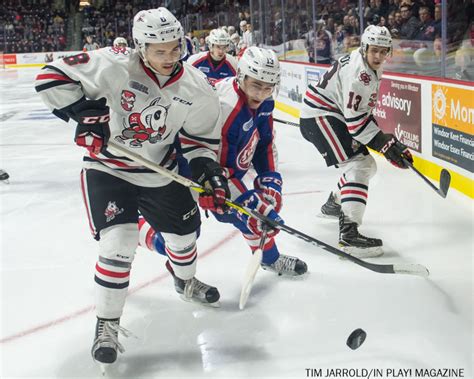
(397, 24)
(427, 30)
(324, 50)
(242, 28)
(248, 37)
(410, 25)
(234, 44)
(90, 44)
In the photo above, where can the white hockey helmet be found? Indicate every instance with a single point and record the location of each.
(376, 35)
(157, 26)
(260, 64)
(218, 37)
(120, 41)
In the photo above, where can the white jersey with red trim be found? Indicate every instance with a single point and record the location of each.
(347, 91)
(144, 116)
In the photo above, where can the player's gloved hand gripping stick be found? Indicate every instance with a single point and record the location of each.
(400, 268)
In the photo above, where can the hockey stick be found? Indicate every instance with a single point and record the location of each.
(444, 179)
(286, 122)
(251, 271)
(414, 269)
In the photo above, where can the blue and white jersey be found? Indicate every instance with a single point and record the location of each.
(226, 68)
(247, 135)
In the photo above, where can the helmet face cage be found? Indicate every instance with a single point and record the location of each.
(377, 36)
(157, 26)
(218, 37)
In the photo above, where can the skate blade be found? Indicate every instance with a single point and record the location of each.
(104, 368)
(361, 253)
(327, 217)
(216, 304)
(5, 181)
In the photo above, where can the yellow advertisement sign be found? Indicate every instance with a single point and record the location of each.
(453, 108)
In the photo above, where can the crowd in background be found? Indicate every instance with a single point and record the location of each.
(31, 26)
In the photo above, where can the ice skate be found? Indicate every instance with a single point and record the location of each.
(287, 266)
(356, 244)
(194, 290)
(106, 343)
(330, 209)
(4, 177)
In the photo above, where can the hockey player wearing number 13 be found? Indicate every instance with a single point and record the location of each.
(337, 118)
(247, 139)
(142, 99)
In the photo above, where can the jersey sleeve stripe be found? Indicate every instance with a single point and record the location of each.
(211, 141)
(320, 101)
(48, 85)
(316, 92)
(225, 131)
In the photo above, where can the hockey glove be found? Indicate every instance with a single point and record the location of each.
(217, 189)
(270, 183)
(92, 131)
(392, 149)
(255, 201)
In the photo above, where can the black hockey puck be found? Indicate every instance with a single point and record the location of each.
(356, 338)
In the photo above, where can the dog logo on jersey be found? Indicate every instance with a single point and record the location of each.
(147, 126)
(112, 211)
(244, 159)
(365, 78)
(127, 100)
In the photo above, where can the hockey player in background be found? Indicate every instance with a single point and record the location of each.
(216, 63)
(337, 118)
(247, 139)
(120, 42)
(140, 98)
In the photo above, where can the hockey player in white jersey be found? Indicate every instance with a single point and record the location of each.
(120, 42)
(140, 98)
(337, 118)
(216, 63)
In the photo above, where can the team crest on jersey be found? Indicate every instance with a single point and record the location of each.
(112, 211)
(365, 78)
(373, 100)
(244, 159)
(127, 100)
(149, 125)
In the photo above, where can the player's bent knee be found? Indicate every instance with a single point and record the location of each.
(175, 242)
(119, 242)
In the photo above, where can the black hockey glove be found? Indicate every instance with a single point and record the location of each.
(92, 131)
(392, 149)
(217, 190)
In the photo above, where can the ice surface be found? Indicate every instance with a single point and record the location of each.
(288, 325)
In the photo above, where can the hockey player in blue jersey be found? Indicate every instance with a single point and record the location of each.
(247, 140)
(216, 63)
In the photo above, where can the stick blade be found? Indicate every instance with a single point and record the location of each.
(444, 182)
(249, 277)
(411, 269)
